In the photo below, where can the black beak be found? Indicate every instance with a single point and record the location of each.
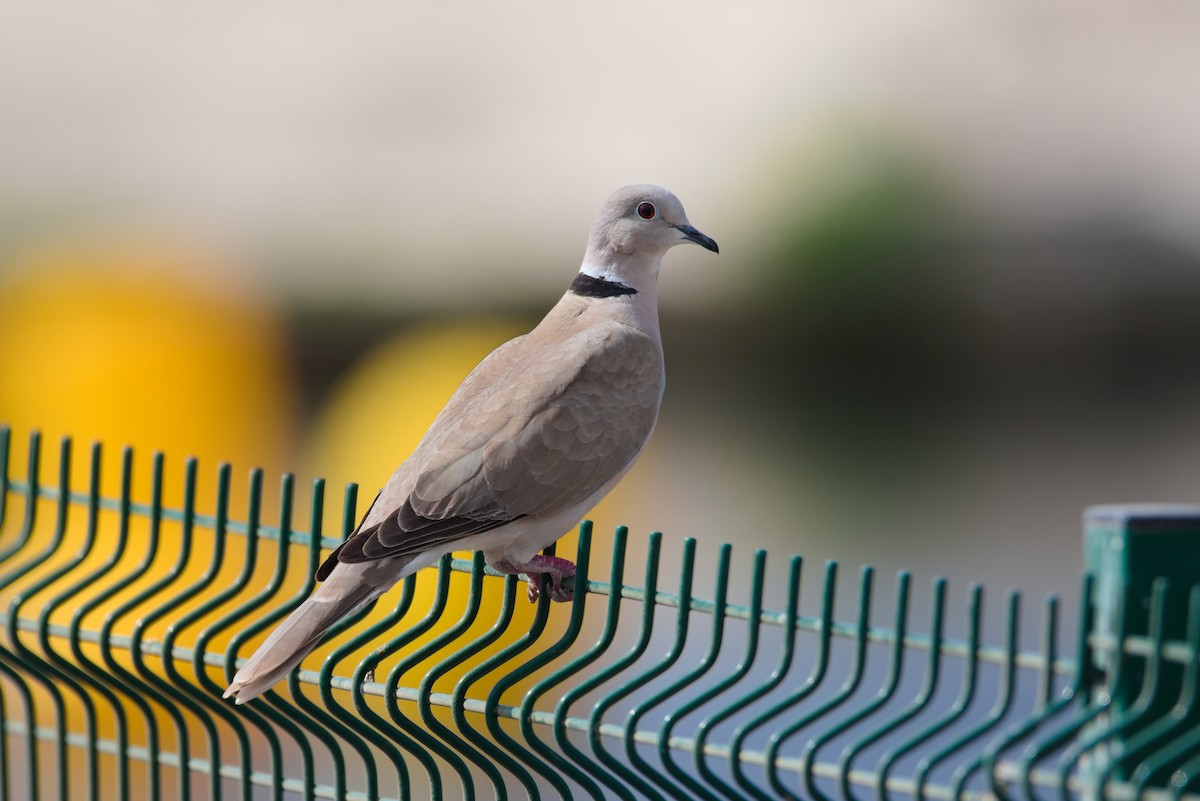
(692, 235)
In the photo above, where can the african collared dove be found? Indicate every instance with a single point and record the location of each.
(534, 437)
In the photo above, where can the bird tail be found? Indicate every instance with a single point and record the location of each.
(294, 639)
(345, 590)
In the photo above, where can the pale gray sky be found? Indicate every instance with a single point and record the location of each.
(428, 135)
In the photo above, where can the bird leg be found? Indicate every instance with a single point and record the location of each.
(556, 568)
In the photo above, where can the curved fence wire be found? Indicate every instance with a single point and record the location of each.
(124, 617)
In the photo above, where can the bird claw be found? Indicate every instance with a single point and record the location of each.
(559, 591)
(553, 568)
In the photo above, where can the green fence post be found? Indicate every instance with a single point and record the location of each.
(1128, 548)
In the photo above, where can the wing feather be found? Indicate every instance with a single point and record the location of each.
(538, 427)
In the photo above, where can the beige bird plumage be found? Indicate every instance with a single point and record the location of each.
(534, 437)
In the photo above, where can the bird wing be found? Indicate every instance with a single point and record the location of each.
(538, 427)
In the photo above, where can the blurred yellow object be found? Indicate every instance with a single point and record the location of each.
(146, 345)
(150, 346)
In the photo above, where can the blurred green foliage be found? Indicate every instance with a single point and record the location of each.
(874, 237)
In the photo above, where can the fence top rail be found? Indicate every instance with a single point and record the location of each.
(1175, 651)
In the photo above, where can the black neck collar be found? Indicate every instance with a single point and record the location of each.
(589, 286)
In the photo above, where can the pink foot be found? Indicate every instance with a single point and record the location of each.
(557, 568)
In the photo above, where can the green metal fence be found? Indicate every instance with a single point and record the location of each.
(124, 617)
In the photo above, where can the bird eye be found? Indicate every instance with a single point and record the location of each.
(646, 211)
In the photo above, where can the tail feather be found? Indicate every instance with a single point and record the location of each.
(346, 589)
(292, 640)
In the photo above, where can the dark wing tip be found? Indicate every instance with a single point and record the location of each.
(330, 563)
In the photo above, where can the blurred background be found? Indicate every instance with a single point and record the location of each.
(956, 301)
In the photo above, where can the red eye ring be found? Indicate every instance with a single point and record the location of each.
(646, 210)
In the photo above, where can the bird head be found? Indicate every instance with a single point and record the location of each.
(635, 227)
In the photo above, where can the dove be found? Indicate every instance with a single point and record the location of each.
(542, 429)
